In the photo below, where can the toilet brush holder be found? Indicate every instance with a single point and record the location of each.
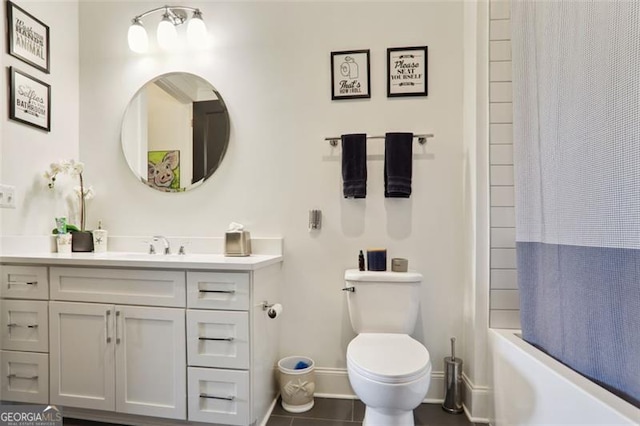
(453, 386)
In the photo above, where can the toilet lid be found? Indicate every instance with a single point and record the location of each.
(388, 358)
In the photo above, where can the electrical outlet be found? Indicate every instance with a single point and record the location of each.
(7, 197)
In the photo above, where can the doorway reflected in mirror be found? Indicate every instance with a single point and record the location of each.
(175, 132)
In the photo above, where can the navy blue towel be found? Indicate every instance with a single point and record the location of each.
(398, 164)
(354, 165)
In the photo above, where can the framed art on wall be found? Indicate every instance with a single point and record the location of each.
(407, 71)
(30, 100)
(350, 75)
(28, 37)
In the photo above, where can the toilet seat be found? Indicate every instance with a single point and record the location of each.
(388, 357)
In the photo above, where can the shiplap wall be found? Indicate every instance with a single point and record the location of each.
(504, 285)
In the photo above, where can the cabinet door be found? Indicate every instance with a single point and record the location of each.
(218, 339)
(25, 325)
(219, 396)
(82, 355)
(218, 290)
(24, 282)
(150, 361)
(26, 377)
(126, 286)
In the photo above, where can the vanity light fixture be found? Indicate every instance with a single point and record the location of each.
(167, 34)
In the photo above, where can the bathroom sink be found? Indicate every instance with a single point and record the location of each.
(146, 256)
(162, 257)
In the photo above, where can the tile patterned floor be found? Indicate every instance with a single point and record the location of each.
(338, 412)
(345, 412)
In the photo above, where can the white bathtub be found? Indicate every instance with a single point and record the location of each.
(531, 388)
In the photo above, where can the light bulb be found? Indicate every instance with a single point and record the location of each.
(137, 37)
(167, 34)
(196, 30)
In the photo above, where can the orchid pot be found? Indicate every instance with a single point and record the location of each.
(82, 241)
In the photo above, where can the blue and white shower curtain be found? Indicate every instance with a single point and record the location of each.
(576, 96)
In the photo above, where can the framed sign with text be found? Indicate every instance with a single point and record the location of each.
(30, 100)
(407, 71)
(28, 37)
(350, 75)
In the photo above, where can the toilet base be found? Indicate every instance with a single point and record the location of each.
(386, 417)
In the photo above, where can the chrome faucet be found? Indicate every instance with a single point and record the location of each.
(167, 247)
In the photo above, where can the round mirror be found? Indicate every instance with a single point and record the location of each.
(175, 132)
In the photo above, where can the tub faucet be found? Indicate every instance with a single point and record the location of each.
(167, 247)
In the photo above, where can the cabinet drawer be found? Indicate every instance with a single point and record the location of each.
(25, 325)
(26, 377)
(25, 282)
(218, 290)
(124, 286)
(218, 339)
(218, 396)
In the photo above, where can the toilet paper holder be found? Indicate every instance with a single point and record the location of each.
(273, 309)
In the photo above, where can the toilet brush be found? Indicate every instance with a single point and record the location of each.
(452, 382)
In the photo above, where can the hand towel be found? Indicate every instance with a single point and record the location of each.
(354, 165)
(398, 163)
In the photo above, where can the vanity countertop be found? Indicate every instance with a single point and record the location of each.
(142, 260)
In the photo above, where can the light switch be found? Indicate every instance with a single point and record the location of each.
(7, 197)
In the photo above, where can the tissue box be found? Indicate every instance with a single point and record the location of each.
(237, 243)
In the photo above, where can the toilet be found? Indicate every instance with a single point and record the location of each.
(389, 370)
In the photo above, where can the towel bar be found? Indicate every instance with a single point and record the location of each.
(422, 139)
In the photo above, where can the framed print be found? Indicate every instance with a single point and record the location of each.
(164, 170)
(28, 37)
(30, 100)
(350, 75)
(407, 71)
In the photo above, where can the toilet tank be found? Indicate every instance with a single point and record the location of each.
(383, 302)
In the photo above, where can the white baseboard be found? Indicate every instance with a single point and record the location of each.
(477, 401)
(334, 383)
(269, 411)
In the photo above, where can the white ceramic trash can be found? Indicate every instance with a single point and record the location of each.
(297, 383)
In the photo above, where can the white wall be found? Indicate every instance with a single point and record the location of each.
(476, 184)
(26, 152)
(270, 62)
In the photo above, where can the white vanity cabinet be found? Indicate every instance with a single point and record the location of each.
(128, 359)
(218, 338)
(142, 342)
(116, 357)
(24, 357)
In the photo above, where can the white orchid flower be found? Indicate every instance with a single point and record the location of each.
(56, 168)
(78, 168)
(74, 168)
(88, 192)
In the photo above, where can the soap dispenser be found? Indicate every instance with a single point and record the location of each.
(100, 239)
